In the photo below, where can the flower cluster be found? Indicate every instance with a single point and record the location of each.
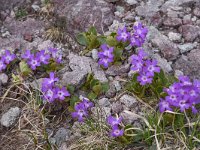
(41, 57)
(106, 55)
(7, 58)
(81, 109)
(184, 95)
(114, 123)
(145, 67)
(137, 38)
(51, 91)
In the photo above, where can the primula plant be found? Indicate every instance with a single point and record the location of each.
(51, 91)
(177, 100)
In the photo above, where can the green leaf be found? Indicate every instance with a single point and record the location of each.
(94, 82)
(118, 53)
(82, 40)
(93, 30)
(101, 39)
(92, 96)
(105, 87)
(111, 41)
(97, 89)
(73, 100)
(70, 88)
(24, 68)
(93, 42)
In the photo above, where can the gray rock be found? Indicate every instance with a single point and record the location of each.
(190, 64)
(117, 85)
(117, 107)
(98, 72)
(76, 78)
(111, 1)
(45, 44)
(174, 36)
(30, 26)
(163, 63)
(168, 48)
(104, 102)
(37, 84)
(112, 91)
(118, 70)
(3, 78)
(172, 22)
(189, 32)
(128, 118)
(197, 12)
(95, 54)
(101, 113)
(35, 7)
(149, 9)
(61, 135)
(10, 116)
(79, 62)
(186, 47)
(9, 4)
(178, 73)
(82, 14)
(81, 66)
(187, 19)
(128, 101)
(131, 2)
(174, 3)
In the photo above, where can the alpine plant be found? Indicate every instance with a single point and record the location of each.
(41, 57)
(6, 58)
(183, 95)
(146, 68)
(51, 91)
(82, 109)
(114, 122)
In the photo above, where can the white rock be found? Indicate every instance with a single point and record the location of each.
(95, 54)
(163, 63)
(10, 116)
(186, 47)
(174, 36)
(131, 2)
(3, 78)
(128, 100)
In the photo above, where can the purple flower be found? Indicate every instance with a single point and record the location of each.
(51, 80)
(123, 35)
(88, 104)
(8, 57)
(184, 104)
(136, 41)
(140, 31)
(80, 112)
(34, 62)
(106, 55)
(107, 51)
(27, 55)
(151, 67)
(185, 81)
(114, 121)
(105, 62)
(49, 95)
(144, 78)
(56, 54)
(164, 105)
(2, 65)
(61, 93)
(44, 58)
(116, 132)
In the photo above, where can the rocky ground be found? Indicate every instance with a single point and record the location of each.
(173, 39)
